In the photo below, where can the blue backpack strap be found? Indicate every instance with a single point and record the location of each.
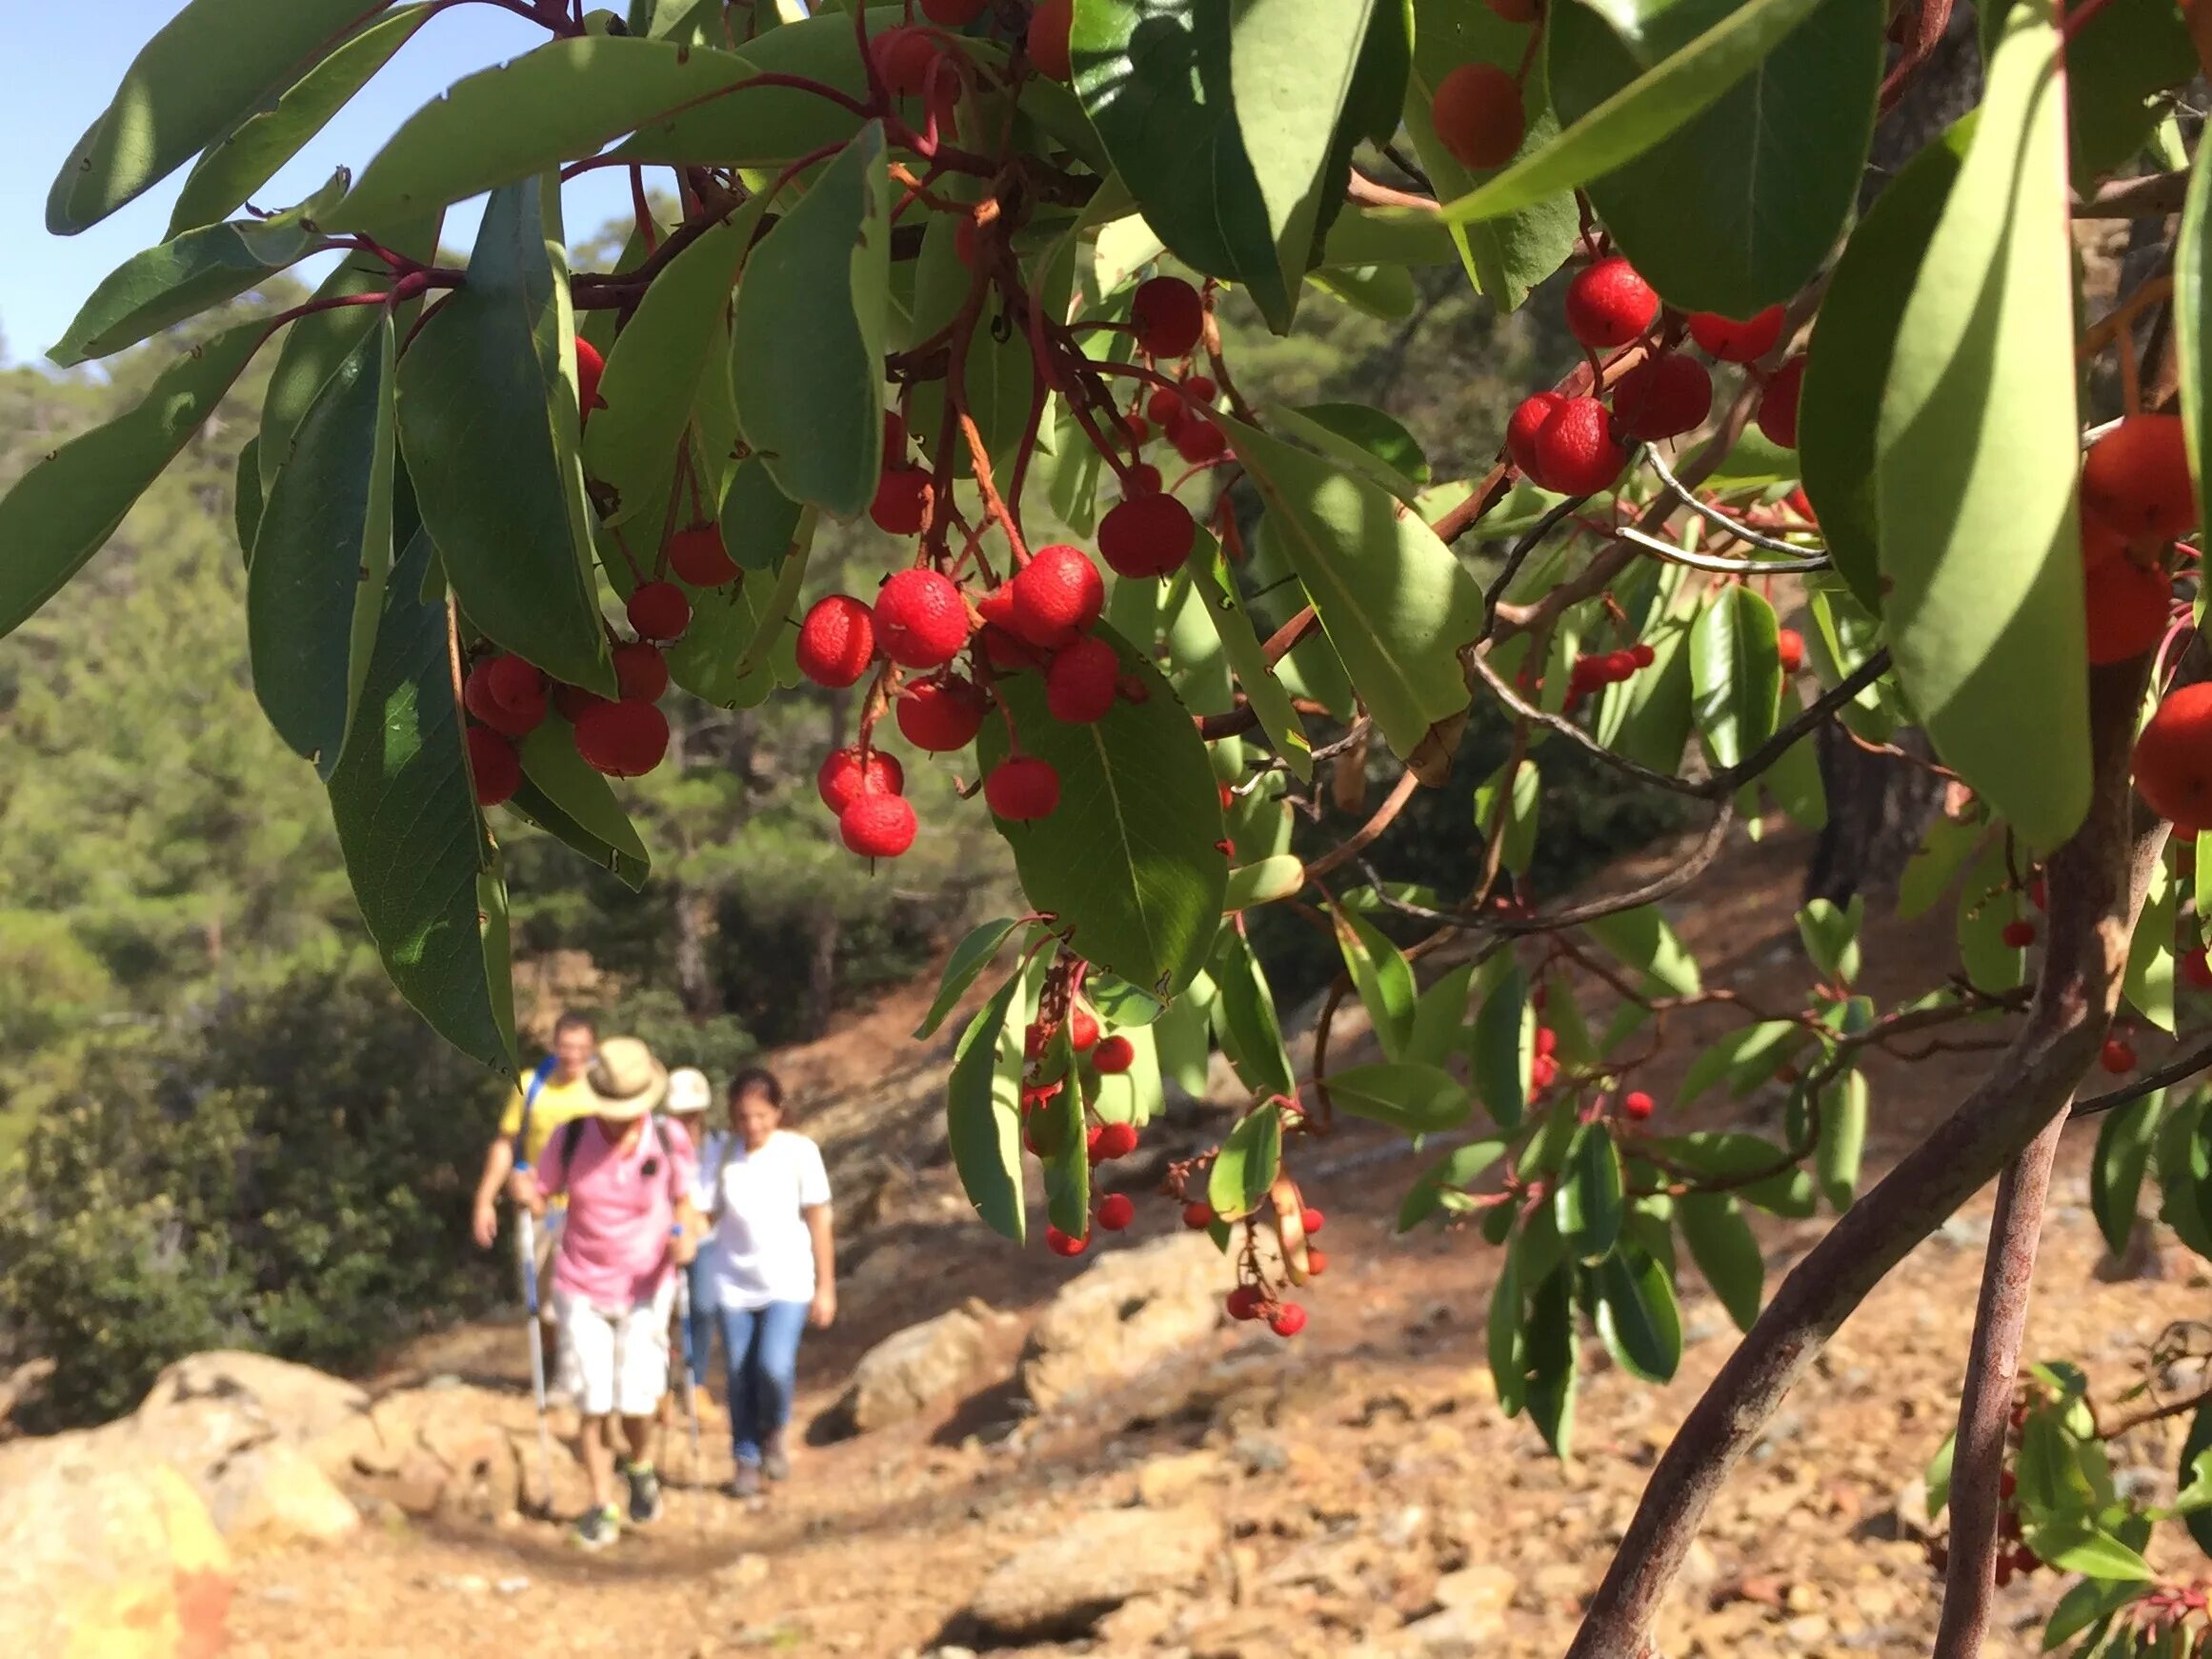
(538, 1075)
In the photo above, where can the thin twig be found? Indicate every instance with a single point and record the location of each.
(2178, 1070)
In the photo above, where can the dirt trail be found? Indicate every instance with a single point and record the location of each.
(1353, 1467)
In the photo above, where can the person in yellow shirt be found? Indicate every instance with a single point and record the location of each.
(555, 1093)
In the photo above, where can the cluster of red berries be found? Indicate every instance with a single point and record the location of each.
(1594, 670)
(1578, 446)
(1543, 1069)
(1254, 1299)
(2013, 1557)
(2136, 501)
(1108, 1056)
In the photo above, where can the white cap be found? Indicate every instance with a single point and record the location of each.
(688, 1091)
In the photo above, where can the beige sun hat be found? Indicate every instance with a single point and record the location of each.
(626, 1077)
(689, 1092)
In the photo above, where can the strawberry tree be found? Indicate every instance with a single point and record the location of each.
(959, 267)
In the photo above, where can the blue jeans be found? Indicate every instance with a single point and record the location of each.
(761, 1345)
(699, 1333)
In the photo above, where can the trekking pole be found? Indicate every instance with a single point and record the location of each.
(683, 1313)
(526, 1250)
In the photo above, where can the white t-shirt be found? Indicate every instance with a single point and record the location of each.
(760, 1250)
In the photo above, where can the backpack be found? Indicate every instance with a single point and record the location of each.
(571, 1131)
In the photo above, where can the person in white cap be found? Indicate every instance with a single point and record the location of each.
(689, 1098)
(628, 1178)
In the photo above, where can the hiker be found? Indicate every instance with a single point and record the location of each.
(552, 1094)
(689, 1098)
(628, 1179)
(773, 1267)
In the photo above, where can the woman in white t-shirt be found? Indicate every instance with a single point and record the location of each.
(773, 1261)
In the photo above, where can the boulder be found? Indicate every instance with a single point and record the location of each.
(299, 1403)
(106, 1553)
(1129, 1309)
(1059, 1587)
(260, 1488)
(909, 1372)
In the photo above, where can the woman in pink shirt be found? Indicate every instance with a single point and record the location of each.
(628, 1178)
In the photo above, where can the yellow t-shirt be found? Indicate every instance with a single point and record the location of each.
(557, 1104)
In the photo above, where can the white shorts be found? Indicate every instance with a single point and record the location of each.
(615, 1362)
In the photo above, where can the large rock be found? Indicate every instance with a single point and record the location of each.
(107, 1555)
(1130, 1308)
(1060, 1587)
(260, 1488)
(299, 1403)
(906, 1372)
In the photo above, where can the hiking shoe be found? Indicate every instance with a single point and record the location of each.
(598, 1527)
(775, 1464)
(644, 1493)
(745, 1483)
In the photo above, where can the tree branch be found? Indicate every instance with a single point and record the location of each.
(2178, 1070)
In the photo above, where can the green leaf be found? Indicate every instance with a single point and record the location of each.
(807, 350)
(1736, 210)
(245, 496)
(1247, 1165)
(1843, 1139)
(1723, 1245)
(1505, 1038)
(1730, 1157)
(488, 423)
(1452, 1173)
(1128, 863)
(1847, 362)
(1382, 975)
(2119, 60)
(1936, 1480)
(1641, 939)
(533, 806)
(2194, 1446)
(1395, 602)
(248, 156)
(1420, 1100)
(1219, 120)
(970, 957)
(2087, 1548)
(1986, 903)
(2148, 984)
(65, 506)
(584, 796)
(207, 69)
(737, 649)
(1591, 1203)
(1736, 675)
(150, 291)
(1830, 933)
(2184, 1165)
(414, 842)
(2115, 1170)
(1548, 1342)
(1059, 1125)
(651, 376)
(1519, 825)
(316, 590)
(760, 524)
(1944, 847)
(1746, 1058)
(1216, 586)
(1263, 883)
(1672, 93)
(1976, 451)
(1638, 1319)
(1440, 1017)
(983, 1109)
(1244, 1018)
(1374, 432)
(2192, 294)
(1183, 1033)
(1502, 1338)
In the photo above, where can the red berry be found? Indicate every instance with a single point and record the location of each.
(1115, 1056)
(570, 701)
(1608, 304)
(1789, 645)
(1245, 1302)
(1637, 1106)
(1288, 1320)
(1055, 596)
(941, 714)
(641, 670)
(1147, 536)
(1021, 788)
(624, 740)
(921, 621)
(659, 610)
(1317, 1263)
(1200, 387)
(837, 642)
(1575, 452)
(2136, 479)
(515, 684)
(2035, 890)
(1643, 655)
(589, 367)
(2173, 759)
(1116, 1140)
(494, 767)
(1480, 116)
(1197, 440)
(2197, 968)
(1049, 27)
(1141, 479)
(1312, 1220)
(2019, 933)
(1083, 1029)
(479, 698)
(954, 13)
(876, 825)
(1662, 397)
(1547, 1040)
(1543, 1072)
(1136, 428)
(1164, 405)
(1168, 316)
(2127, 608)
(1778, 404)
(1115, 1212)
(1061, 1245)
(844, 775)
(1079, 684)
(903, 57)
(2118, 1056)
(695, 553)
(1520, 431)
(1738, 342)
(1197, 1216)
(902, 499)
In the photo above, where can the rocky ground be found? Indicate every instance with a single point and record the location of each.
(1353, 1492)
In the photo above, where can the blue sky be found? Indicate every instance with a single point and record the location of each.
(69, 58)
